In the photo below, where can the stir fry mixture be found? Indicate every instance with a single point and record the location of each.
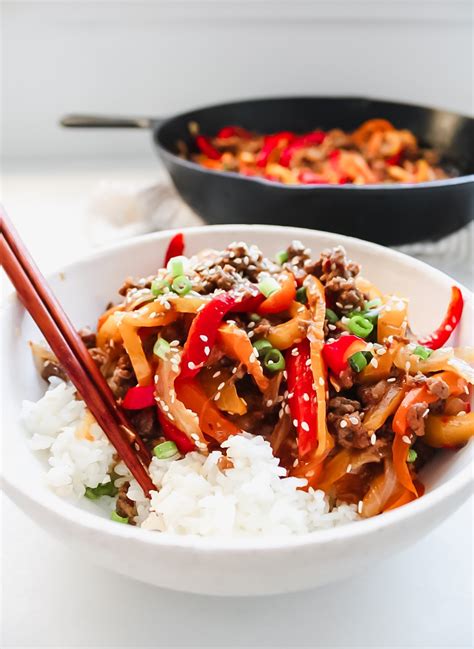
(376, 152)
(303, 351)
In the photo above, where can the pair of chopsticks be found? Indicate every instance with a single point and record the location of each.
(71, 352)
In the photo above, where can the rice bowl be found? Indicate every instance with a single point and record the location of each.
(253, 557)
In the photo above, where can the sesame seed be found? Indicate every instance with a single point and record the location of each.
(332, 327)
(305, 396)
(216, 374)
(294, 352)
(461, 413)
(170, 416)
(373, 439)
(308, 362)
(290, 395)
(453, 319)
(191, 365)
(252, 358)
(156, 378)
(354, 421)
(251, 334)
(281, 413)
(406, 439)
(251, 325)
(339, 305)
(207, 351)
(305, 426)
(285, 375)
(407, 366)
(349, 468)
(174, 343)
(360, 505)
(221, 385)
(165, 407)
(381, 352)
(466, 389)
(295, 423)
(391, 380)
(343, 423)
(321, 381)
(435, 336)
(217, 396)
(374, 362)
(269, 403)
(287, 409)
(195, 436)
(426, 413)
(295, 463)
(204, 338)
(448, 328)
(234, 370)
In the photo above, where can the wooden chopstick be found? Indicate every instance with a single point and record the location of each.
(121, 436)
(69, 332)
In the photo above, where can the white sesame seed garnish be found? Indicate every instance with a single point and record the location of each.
(466, 389)
(461, 413)
(156, 378)
(191, 365)
(195, 436)
(407, 366)
(295, 423)
(285, 375)
(305, 426)
(426, 413)
(281, 412)
(221, 385)
(269, 403)
(374, 362)
(381, 351)
(252, 358)
(332, 327)
(391, 380)
(295, 463)
(290, 395)
(406, 439)
(321, 381)
(217, 396)
(251, 325)
(234, 370)
(174, 343)
(251, 334)
(165, 407)
(216, 374)
(453, 319)
(294, 352)
(305, 396)
(343, 423)
(360, 505)
(204, 338)
(354, 421)
(349, 468)
(170, 416)
(373, 439)
(308, 362)
(287, 409)
(338, 304)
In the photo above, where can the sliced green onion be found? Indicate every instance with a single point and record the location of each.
(274, 360)
(422, 352)
(372, 304)
(176, 266)
(358, 361)
(261, 345)
(254, 317)
(181, 285)
(301, 295)
(412, 455)
(159, 286)
(281, 257)
(372, 316)
(107, 489)
(268, 286)
(165, 450)
(331, 316)
(360, 326)
(117, 518)
(161, 348)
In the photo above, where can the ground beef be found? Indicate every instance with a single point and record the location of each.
(372, 394)
(337, 274)
(135, 284)
(144, 422)
(50, 368)
(344, 419)
(99, 356)
(346, 378)
(298, 256)
(89, 338)
(415, 418)
(416, 381)
(438, 387)
(262, 328)
(123, 377)
(124, 506)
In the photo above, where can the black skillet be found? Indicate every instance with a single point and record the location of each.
(389, 214)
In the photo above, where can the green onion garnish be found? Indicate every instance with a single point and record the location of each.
(254, 317)
(422, 352)
(274, 360)
(372, 304)
(261, 345)
(372, 316)
(161, 348)
(159, 286)
(360, 326)
(411, 455)
(107, 489)
(117, 518)
(268, 286)
(358, 361)
(181, 285)
(301, 295)
(331, 316)
(165, 450)
(281, 257)
(176, 266)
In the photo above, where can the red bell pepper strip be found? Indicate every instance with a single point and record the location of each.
(249, 304)
(282, 299)
(302, 396)
(451, 320)
(173, 434)
(270, 144)
(139, 397)
(317, 137)
(175, 247)
(394, 160)
(206, 147)
(203, 332)
(308, 177)
(231, 131)
(336, 354)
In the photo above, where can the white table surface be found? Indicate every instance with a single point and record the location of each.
(50, 598)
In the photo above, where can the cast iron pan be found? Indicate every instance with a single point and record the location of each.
(388, 214)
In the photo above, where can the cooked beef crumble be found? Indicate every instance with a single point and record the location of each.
(345, 420)
(124, 506)
(415, 418)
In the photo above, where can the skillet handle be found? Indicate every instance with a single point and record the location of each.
(98, 121)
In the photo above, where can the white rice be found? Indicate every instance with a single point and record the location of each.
(193, 496)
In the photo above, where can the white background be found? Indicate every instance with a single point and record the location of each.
(157, 58)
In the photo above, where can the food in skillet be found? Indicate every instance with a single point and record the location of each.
(376, 152)
(279, 396)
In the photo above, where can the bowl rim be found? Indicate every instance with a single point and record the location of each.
(76, 516)
(159, 125)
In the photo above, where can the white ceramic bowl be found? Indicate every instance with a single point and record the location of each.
(216, 566)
